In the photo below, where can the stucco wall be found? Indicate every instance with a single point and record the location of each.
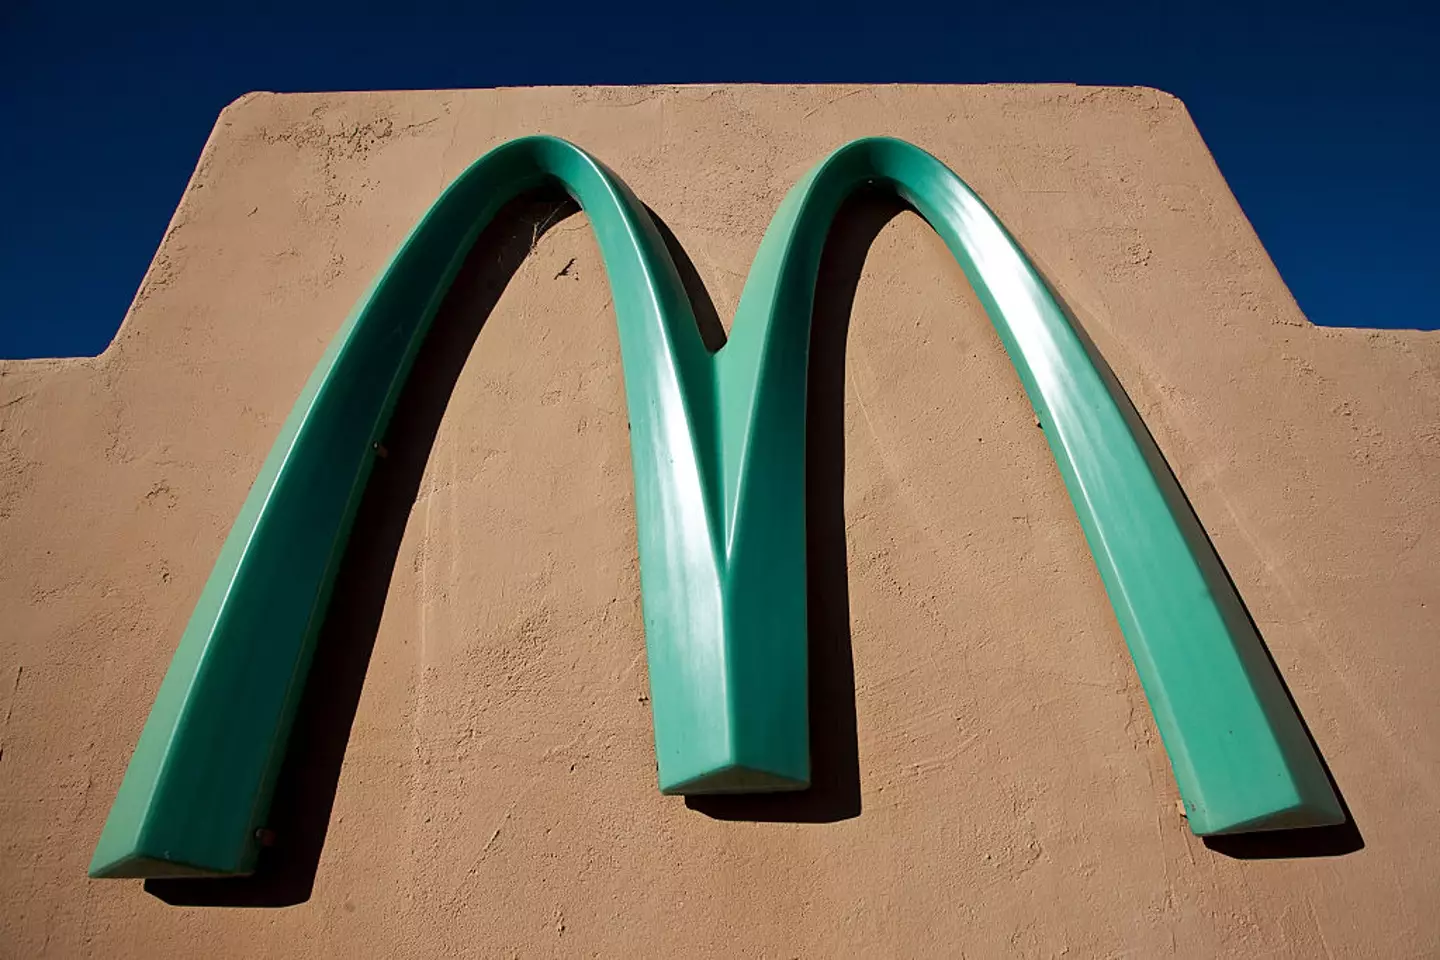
(1009, 793)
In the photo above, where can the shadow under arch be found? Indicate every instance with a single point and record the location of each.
(722, 549)
(309, 776)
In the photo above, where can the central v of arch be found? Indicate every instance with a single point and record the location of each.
(717, 443)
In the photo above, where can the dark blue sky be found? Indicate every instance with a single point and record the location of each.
(1323, 121)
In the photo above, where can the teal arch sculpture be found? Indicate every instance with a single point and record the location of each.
(717, 445)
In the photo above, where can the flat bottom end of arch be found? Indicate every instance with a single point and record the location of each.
(1297, 817)
(734, 779)
(139, 866)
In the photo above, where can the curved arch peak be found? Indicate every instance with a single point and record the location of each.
(717, 446)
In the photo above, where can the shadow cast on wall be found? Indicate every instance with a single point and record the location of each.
(305, 790)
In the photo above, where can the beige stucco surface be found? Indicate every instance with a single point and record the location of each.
(497, 796)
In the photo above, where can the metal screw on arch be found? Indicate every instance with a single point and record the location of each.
(717, 444)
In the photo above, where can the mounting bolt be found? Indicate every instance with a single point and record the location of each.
(380, 450)
(265, 836)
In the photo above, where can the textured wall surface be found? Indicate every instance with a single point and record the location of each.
(995, 785)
